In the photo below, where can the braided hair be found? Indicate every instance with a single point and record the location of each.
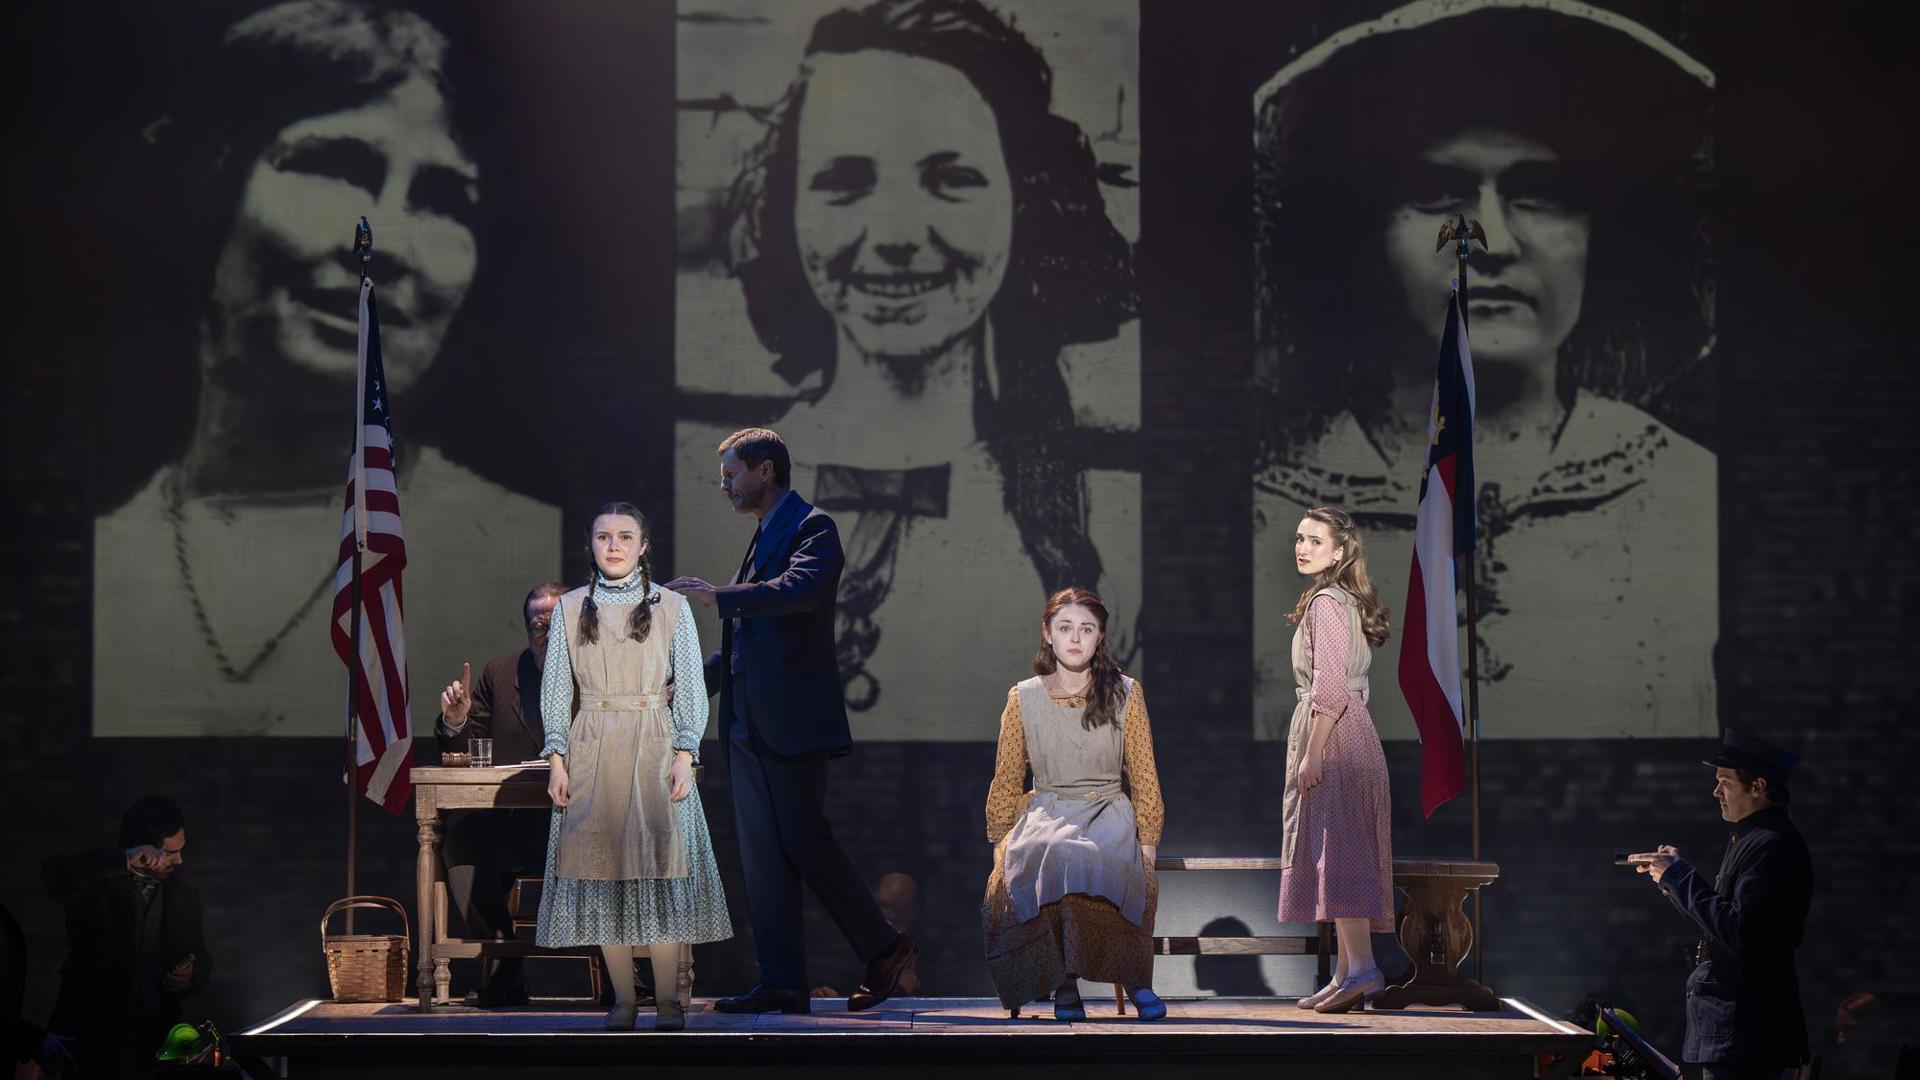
(643, 611)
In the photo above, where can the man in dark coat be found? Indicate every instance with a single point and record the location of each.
(134, 943)
(1743, 1000)
(782, 716)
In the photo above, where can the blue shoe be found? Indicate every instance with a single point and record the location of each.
(1147, 1004)
(1071, 1009)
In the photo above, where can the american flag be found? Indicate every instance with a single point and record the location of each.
(370, 528)
(1444, 530)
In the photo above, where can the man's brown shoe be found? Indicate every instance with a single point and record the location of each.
(884, 973)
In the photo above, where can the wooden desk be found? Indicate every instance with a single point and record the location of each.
(437, 788)
(459, 787)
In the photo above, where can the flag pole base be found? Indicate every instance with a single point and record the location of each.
(1437, 934)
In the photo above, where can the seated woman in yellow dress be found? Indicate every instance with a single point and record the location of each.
(1072, 892)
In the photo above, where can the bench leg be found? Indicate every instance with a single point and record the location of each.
(1324, 954)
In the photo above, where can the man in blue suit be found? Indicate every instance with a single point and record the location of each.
(781, 717)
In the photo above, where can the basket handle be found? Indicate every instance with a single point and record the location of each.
(380, 903)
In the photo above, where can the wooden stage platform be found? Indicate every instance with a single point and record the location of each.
(921, 1038)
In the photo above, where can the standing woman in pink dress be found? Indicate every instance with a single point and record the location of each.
(1337, 844)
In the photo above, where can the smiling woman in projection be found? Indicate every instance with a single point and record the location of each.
(1576, 138)
(918, 238)
(329, 111)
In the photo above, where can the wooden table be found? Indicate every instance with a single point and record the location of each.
(437, 788)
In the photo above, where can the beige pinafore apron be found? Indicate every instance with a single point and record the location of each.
(1302, 724)
(1077, 834)
(619, 824)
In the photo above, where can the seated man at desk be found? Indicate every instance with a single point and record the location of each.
(486, 850)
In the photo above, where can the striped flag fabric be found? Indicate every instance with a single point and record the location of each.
(370, 529)
(1430, 636)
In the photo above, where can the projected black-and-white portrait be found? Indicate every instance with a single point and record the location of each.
(1577, 138)
(906, 245)
(212, 581)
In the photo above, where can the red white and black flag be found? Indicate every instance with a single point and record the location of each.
(1430, 638)
(370, 528)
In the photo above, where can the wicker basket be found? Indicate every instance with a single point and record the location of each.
(366, 967)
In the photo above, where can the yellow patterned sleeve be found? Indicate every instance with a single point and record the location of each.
(1007, 795)
(1143, 776)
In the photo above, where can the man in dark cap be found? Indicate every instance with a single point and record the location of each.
(135, 944)
(1743, 999)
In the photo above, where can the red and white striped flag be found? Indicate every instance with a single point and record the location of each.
(370, 527)
(1430, 635)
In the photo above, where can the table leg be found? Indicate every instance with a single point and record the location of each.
(1438, 936)
(426, 871)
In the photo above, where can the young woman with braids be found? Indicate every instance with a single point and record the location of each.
(1072, 891)
(629, 862)
(1337, 841)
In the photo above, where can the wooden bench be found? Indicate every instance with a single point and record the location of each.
(1434, 930)
(1319, 944)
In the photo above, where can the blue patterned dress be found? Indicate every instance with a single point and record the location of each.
(644, 910)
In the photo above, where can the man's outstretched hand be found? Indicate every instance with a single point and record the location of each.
(692, 588)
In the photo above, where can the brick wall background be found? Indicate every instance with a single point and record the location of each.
(1820, 580)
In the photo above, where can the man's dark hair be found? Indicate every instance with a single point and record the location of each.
(150, 821)
(754, 445)
(544, 589)
(1777, 792)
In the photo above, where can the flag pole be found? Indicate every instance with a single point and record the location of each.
(363, 248)
(1465, 233)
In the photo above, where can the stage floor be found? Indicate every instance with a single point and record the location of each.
(935, 1037)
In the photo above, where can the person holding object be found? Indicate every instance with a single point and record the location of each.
(1337, 840)
(485, 850)
(135, 946)
(629, 861)
(1072, 892)
(782, 715)
(1743, 999)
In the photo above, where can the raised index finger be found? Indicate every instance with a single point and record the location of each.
(466, 673)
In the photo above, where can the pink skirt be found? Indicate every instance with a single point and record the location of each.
(1343, 854)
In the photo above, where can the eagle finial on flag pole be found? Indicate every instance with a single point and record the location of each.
(363, 246)
(1460, 229)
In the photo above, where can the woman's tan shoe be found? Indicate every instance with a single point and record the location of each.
(1319, 995)
(1354, 991)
